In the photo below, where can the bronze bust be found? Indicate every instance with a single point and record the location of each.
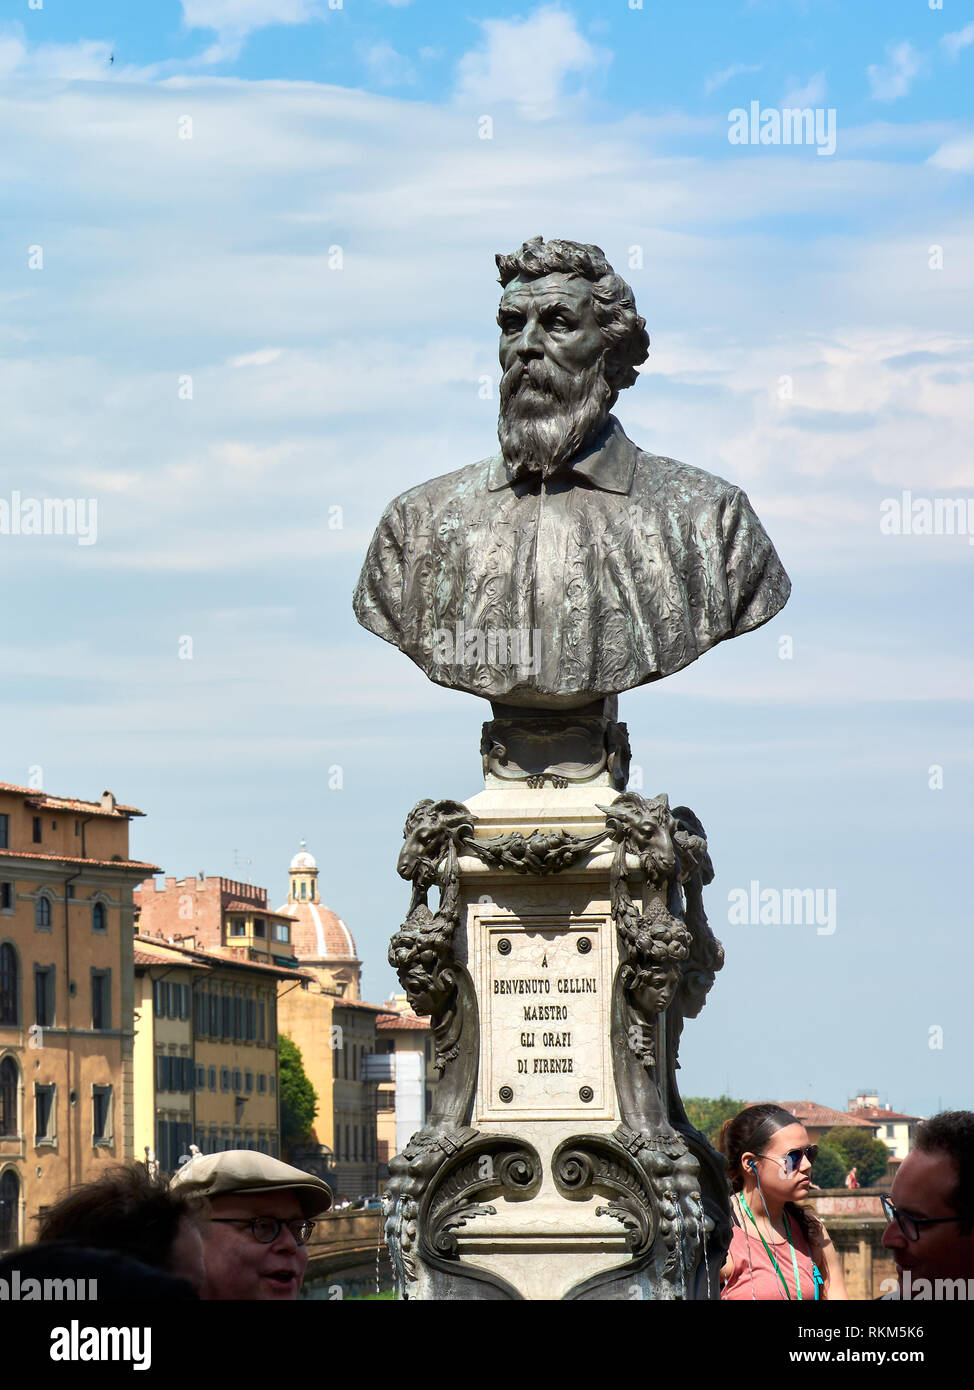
(572, 565)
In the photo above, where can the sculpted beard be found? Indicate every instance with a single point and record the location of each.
(547, 414)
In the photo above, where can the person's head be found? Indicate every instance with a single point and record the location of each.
(765, 1150)
(935, 1184)
(570, 342)
(261, 1216)
(129, 1211)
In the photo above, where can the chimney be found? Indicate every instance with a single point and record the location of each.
(107, 801)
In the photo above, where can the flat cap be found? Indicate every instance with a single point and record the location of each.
(244, 1172)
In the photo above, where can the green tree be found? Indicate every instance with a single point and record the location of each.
(830, 1167)
(867, 1155)
(299, 1104)
(709, 1115)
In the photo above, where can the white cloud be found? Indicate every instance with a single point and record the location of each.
(812, 94)
(727, 74)
(256, 359)
(896, 78)
(960, 38)
(235, 19)
(528, 63)
(87, 60)
(387, 67)
(955, 155)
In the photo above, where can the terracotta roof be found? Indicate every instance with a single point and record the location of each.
(396, 1021)
(214, 958)
(359, 1004)
(317, 933)
(160, 955)
(237, 905)
(875, 1112)
(68, 803)
(73, 859)
(821, 1116)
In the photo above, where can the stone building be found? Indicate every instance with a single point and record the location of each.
(402, 1067)
(206, 1059)
(216, 914)
(896, 1130)
(66, 997)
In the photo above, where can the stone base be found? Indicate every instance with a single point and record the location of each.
(558, 1161)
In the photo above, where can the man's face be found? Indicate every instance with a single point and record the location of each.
(922, 1187)
(238, 1265)
(553, 392)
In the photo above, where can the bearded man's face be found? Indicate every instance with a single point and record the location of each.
(554, 397)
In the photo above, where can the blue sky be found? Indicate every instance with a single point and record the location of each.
(243, 343)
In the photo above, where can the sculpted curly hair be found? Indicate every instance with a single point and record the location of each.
(613, 303)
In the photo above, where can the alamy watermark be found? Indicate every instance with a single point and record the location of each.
(492, 646)
(50, 516)
(755, 906)
(30, 1290)
(791, 125)
(907, 515)
(912, 1290)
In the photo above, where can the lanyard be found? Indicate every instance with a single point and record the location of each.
(770, 1252)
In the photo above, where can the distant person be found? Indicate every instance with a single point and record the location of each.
(778, 1250)
(130, 1211)
(930, 1211)
(261, 1219)
(851, 1178)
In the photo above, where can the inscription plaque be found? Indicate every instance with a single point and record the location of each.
(545, 997)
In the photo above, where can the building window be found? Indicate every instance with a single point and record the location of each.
(9, 986)
(9, 1087)
(260, 1022)
(201, 1081)
(9, 1209)
(224, 1078)
(77, 827)
(282, 932)
(38, 835)
(99, 917)
(42, 913)
(304, 890)
(237, 1081)
(44, 995)
(6, 897)
(890, 1131)
(261, 1084)
(44, 1114)
(248, 1083)
(260, 927)
(211, 1078)
(101, 999)
(101, 1114)
(4, 832)
(69, 892)
(237, 927)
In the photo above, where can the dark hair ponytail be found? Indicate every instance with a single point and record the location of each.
(748, 1132)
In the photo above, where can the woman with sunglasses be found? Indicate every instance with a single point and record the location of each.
(778, 1249)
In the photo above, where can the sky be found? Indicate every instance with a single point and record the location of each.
(248, 296)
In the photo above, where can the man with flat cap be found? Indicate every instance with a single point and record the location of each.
(262, 1218)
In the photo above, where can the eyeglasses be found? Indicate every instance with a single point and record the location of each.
(910, 1225)
(791, 1161)
(266, 1229)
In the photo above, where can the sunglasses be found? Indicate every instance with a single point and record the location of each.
(791, 1161)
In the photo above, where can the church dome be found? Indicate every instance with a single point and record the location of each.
(317, 933)
(303, 860)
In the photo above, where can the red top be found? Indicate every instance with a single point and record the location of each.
(759, 1280)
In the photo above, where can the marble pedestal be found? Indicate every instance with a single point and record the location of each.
(568, 946)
